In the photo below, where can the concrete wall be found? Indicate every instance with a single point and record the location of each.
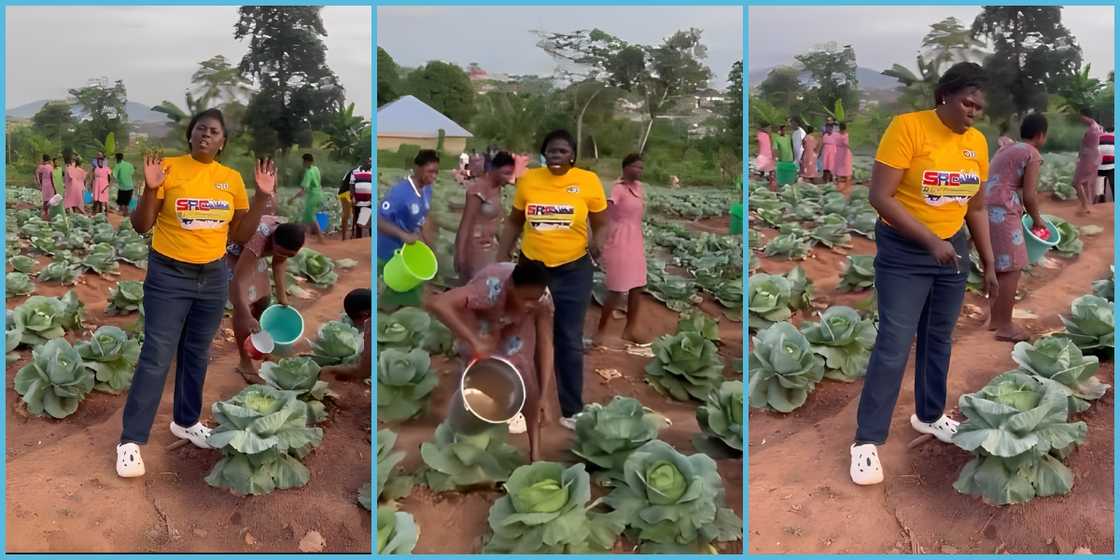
(451, 145)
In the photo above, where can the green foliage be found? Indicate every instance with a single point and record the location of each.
(299, 376)
(844, 340)
(605, 435)
(685, 365)
(262, 434)
(390, 485)
(789, 245)
(859, 275)
(444, 87)
(1106, 288)
(388, 78)
(124, 298)
(405, 381)
(769, 299)
(316, 267)
(54, 382)
(397, 532)
(18, 284)
(721, 421)
(1059, 359)
(112, 356)
(701, 323)
(1090, 325)
(337, 343)
(22, 263)
(43, 318)
(102, 259)
(800, 289)
(783, 369)
(458, 461)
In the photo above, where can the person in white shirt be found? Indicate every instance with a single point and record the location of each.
(798, 137)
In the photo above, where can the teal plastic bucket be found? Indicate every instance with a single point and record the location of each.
(323, 219)
(736, 225)
(88, 197)
(786, 173)
(284, 324)
(132, 203)
(1036, 247)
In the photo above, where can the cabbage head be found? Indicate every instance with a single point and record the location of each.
(316, 267)
(390, 485)
(102, 259)
(18, 284)
(112, 357)
(769, 299)
(1059, 359)
(397, 532)
(300, 376)
(458, 461)
(782, 368)
(673, 503)
(405, 381)
(55, 381)
(337, 343)
(685, 365)
(22, 263)
(859, 275)
(124, 298)
(42, 318)
(721, 421)
(844, 340)
(1090, 324)
(700, 323)
(605, 435)
(404, 328)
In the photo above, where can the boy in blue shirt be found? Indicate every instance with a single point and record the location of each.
(402, 218)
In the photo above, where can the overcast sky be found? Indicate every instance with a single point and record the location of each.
(155, 50)
(500, 39)
(884, 35)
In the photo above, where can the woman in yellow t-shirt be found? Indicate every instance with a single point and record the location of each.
(928, 171)
(194, 206)
(560, 212)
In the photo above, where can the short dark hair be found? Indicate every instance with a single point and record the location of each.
(308, 157)
(843, 126)
(46, 158)
(119, 156)
(289, 236)
(530, 273)
(1033, 125)
(1087, 111)
(209, 113)
(501, 159)
(959, 77)
(808, 129)
(358, 303)
(558, 134)
(631, 159)
(424, 157)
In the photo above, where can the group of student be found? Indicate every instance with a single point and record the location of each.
(72, 181)
(824, 158)
(529, 310)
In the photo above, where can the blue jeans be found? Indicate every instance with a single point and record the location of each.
(183, 304)
(917, 296)
(570, 285)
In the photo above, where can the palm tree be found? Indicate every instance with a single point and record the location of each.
(345, 132)
(180, 118)
(917, 89)
(216, 81)
(1080, 91)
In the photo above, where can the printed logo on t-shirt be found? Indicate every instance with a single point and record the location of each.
(574, 189)
(202, 213)
(969, 154)
(550, 217)
(414, 208)
(946, 187)
(222, 186)
(386, 205)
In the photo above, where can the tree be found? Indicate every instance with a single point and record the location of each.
(1032, 53)
(217, 82)
(55, 121)
(949, 42)
(675, 68)
(103, 111)
(733, 109)
(298, 91)
(345, 131)
(445, 87)
(388, 78)
(833, 71)
(1080, 91)
(782, 87)
(512, 120)
(917, 89)
(180, 117)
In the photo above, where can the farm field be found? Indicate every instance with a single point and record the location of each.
(62, 492)
(801, 498)
(694, 263)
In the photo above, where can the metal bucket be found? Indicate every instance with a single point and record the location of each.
(491, 392)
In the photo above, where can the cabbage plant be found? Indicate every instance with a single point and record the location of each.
(458, 461)
(135, 253)
(102, 259)
(112, 356)
(1106, 288)
(1059, 359)
(1090, 324)
(22, 263)
(673, 503)
(800, 289)
(605, 435)
(1070, 245)
(859, 274)
(390, 484)
(783, 369)
(700, 323)
(262, 434)
(844, 340)
(55, 381)
(789, 245)
(769, 299)
(397, 532)
(18, 284)
(316, 267)
(1017, 428)
(42, 318)
(404, 328)
(832, 231)
(405, 380)
(126, 297)
(337, 343)
(300, 376)
(685, 365)
(62, 270)
(546, 509)
(721, 421)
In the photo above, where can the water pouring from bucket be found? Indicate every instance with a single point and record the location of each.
(491, 392)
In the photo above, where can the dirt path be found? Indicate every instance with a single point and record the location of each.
(457, 523)
(64, 496)
(802, 501)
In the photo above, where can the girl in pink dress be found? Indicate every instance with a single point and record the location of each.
(624, 255)
(764, 163)
(842, 159)
(44, 176)
(1088, 160)
(809, 156)
(75, 179)
(828, 153)
(101, 175)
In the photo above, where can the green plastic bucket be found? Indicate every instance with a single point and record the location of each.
(284, 324)
(736, 224)
(410, 266)
(786, 173)
(1036, 247)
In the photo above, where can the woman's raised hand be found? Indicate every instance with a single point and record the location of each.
(265, 176)
(153, 170)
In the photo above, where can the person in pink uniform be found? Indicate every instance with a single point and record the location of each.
(1088, 160)
(101, 178)
(842, 160)
(809, 156)
(828, 153)
(765, 160)
(44, 177)
(624, 255)
(75, 179)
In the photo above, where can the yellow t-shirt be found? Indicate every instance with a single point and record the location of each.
(556, 209)
(199, 200)
(944, 170)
